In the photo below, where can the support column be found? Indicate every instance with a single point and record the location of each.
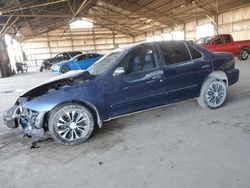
(113, 37)
(93, 32)
(71, 40)
(48, 43)
(216, 26)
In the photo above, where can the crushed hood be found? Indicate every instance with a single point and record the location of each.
(66, 80)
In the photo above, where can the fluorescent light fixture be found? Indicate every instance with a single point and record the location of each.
(81, 23)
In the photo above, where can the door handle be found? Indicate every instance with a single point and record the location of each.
(205, 66)
(156, 77)
(151, 76)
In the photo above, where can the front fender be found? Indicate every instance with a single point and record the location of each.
(86, 95)
(48, 101)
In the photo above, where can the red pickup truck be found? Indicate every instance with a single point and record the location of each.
(225, 43)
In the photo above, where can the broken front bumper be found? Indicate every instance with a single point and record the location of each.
(30, 121)
(9, 119)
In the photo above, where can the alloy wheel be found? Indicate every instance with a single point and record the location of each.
(73, 125)
(244, 54)
(216, 94)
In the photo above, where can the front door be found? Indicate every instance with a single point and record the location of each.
(141, 87)
(219, 44)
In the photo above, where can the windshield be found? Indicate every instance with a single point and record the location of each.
(204, 41)
(104, 63)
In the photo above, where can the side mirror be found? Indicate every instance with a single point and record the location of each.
(119, 71)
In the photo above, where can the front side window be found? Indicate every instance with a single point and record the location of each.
(105, 63)
(194, 53)
(218, 40)
(140, 59)
(204, 41)
(174, 52)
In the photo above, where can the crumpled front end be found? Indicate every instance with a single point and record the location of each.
(30, 109)
(8, 117)
(30, 121)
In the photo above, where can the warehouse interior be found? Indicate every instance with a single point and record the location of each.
(176, 146)
(42, 28)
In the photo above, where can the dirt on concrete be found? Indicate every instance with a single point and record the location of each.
(181, 145)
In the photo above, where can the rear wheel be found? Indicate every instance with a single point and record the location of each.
(71, 124)
(244, 54)
(213, 93)
(64, 69)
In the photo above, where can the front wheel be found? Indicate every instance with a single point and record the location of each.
(64, 69)
(213, 93)
(71, 124)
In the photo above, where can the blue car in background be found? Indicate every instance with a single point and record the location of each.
(78, 62)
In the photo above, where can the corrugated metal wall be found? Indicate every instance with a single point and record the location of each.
(236, 22)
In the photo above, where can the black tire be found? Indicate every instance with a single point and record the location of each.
(41, 69)
(64, 69)
(244, 53)
(63, 126)
(213, 93)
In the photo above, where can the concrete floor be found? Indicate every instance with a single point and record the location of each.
(178, 146)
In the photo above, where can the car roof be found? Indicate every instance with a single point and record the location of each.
(153, 42)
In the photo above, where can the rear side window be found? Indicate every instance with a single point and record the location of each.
(194, 53)
(174, 52)
(227, 38)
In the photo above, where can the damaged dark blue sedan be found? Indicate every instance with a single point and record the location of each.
(127, 80)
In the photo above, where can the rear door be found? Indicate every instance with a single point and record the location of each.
(230, 45)
(184, 68)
